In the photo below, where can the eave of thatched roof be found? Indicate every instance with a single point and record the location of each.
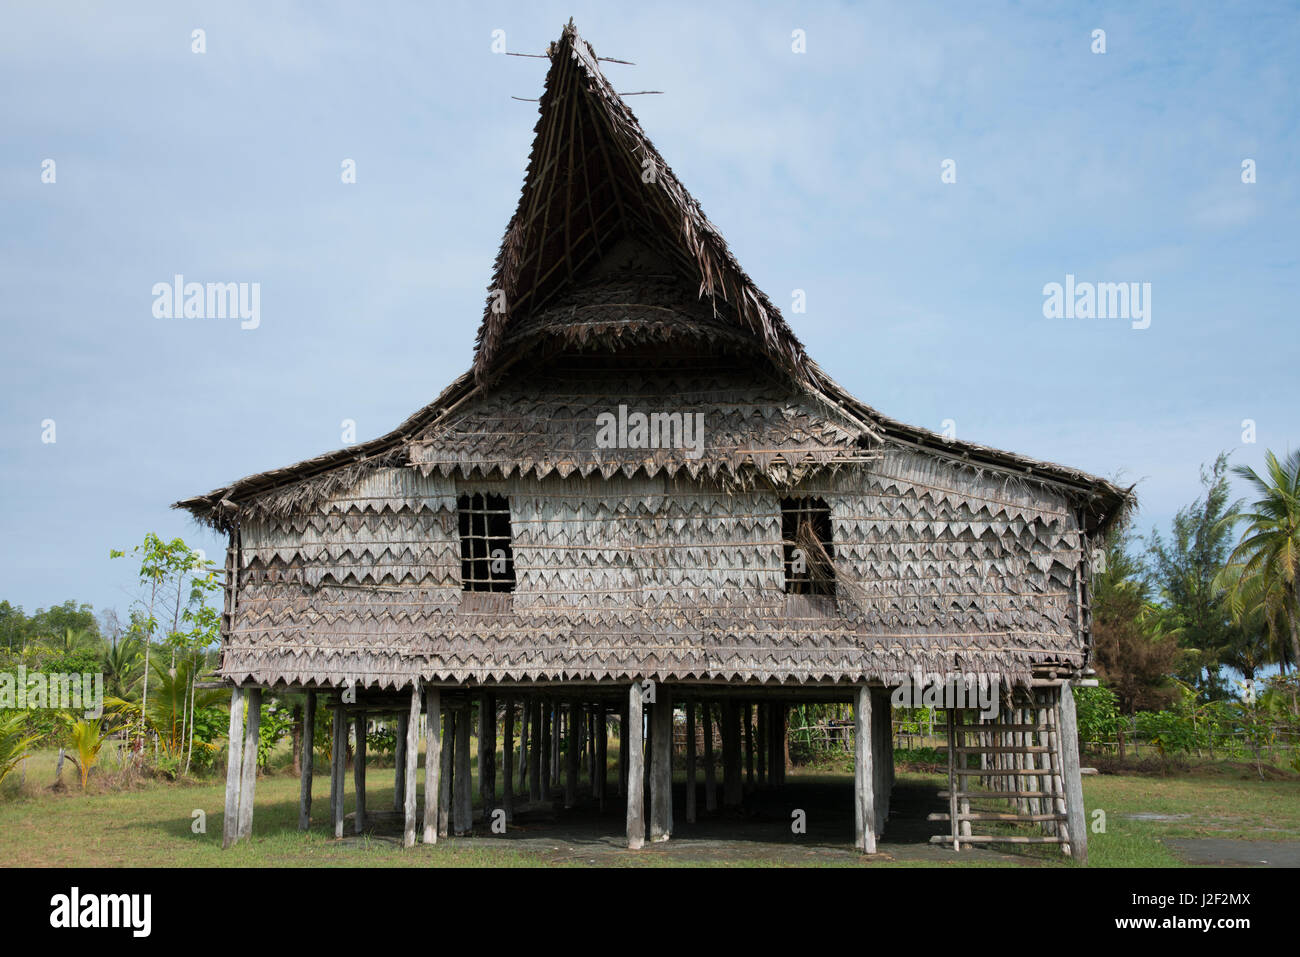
(414, 443)
(312, 479)
(585, 189)
(1102, 501)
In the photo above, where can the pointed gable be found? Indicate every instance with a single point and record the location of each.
(607, 248)
(594, 179)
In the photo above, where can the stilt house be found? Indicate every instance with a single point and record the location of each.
(645, 500)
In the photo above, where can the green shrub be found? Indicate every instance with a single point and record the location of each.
(1098, 713)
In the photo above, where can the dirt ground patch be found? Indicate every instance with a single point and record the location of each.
(758, 835)
(1221, 852)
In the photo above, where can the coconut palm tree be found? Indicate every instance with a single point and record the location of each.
(72, 639)
(87, 740)
(1270, 544)
(1259, 632)
(166, 710)
(121, 663)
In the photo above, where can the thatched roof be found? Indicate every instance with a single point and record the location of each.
(586, 188)
(584, 209)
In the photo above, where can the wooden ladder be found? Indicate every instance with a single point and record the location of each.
(1019, 773)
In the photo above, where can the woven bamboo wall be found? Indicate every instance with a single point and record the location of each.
(938, 567)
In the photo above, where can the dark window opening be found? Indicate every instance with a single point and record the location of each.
(487, 562)
(809, 553)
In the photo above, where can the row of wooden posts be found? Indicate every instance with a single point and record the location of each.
(751, 732)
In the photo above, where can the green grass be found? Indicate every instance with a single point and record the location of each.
(150, 824)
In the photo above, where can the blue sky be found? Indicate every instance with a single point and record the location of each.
(822, 170)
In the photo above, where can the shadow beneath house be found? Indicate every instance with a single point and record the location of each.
(809, 820)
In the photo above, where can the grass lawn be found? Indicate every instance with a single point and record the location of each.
(151, 824)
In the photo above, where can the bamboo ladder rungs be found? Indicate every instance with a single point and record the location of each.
(1006, 795)
(996, 839)
(1003, 772)
(996, 816)
(1000, 727)
(998, 749)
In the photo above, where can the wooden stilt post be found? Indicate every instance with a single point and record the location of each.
(248, 776)
(649, 746)
(578, 715)
(555, 743)
(307, 762)
(590, 722)
(661, 761)
(864, 813)
(412, 765)
(534, 749)
(622, 749)
(525, 723)
(1059, 788)
(359, 773)
(234, 768)
(432, 764)
(963, 738)
(731, 782)
(635, 757)
(448, 772)
(877, 765)
(887, 736)
(880, 761)
(1004, 782)
(778, 746)
(1022, 783)
(748, 716)
(776, 773)
(954, 782)
(571, 755)
(338, 764)
(462, 787)
(690, 762)
(710, 772)
(508, 761)
(1050, 764)
(399, 765)
(1075, 822)
(1032, 805)
(782, 741)
(488, 772)
(544, 755)
(761, 745)
(602, 755)
(482, 763)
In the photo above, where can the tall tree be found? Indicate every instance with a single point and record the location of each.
(70, 616)
(1183, 571)
(13, 627)
(1132, 650)
(1270, 545)
(163, 566)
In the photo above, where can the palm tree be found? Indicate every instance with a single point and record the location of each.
(15, 743)
(87, 741)
(1254, 605)
(121, 662)
(72, 639)
(1270, 545)
(166, 710)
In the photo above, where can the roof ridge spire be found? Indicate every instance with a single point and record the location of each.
(594, 176)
